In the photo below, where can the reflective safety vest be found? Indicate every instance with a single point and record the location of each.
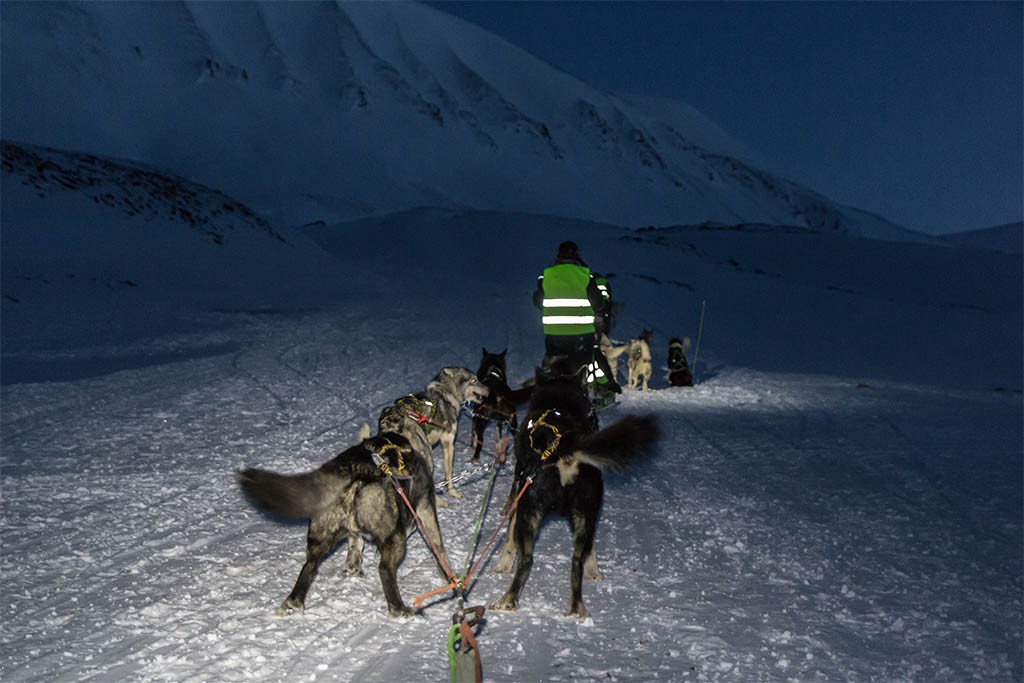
(567, 310)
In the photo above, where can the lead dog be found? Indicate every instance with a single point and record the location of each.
(559, 448)
(352, 496)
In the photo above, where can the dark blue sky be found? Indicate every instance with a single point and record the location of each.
(910, 110)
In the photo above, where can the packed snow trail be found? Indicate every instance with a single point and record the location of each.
(791, 527)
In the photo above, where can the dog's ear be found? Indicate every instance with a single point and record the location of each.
(502, 354)
(485, 351)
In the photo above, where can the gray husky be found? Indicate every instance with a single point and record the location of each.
(354, 495)
(424, 419)
(433, 414)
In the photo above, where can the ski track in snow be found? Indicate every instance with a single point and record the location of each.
(790, 528)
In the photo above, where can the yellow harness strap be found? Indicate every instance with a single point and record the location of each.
(382, 462)
(540, 422)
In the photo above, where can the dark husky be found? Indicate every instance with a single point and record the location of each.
(500, 405)
(561, 450)
(678, 370)
(352, 496)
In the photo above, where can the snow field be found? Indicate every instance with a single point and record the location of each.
(790, 528)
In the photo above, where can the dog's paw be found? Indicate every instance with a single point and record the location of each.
(579, 611)
(289, 607)
(506, 604)
(355, 573)
(402, 612)
(455, 493)
(441, 502)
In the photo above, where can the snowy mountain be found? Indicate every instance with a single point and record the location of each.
(334, 111)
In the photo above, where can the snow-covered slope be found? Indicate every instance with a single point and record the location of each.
(328, 111)
(97, 250)
(1007, 238)
(838, 499)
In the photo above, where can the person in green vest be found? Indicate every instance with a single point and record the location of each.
(571, 303)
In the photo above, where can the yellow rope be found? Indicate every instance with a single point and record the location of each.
(383, 463)
(539, 422)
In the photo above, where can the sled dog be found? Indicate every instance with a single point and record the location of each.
(500, 404)
(559, 448)
(435, 413)
(678, 369)
(424, 419)
(612, 351)
(638, 360)
(352, 496)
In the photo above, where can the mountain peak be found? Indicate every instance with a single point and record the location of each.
(337, 111)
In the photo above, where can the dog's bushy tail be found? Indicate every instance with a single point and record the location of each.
(294, 496)
(619, 445)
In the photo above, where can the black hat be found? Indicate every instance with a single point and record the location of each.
(568, 250)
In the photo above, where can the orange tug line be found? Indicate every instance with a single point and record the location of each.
(456, 583)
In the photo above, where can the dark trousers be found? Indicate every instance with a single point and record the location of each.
(579, 351)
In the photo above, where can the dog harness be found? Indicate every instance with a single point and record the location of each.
(380, 461)
(417, 408)
(532, 425)
(676, 356)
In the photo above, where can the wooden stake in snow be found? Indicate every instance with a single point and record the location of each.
(700, 331)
